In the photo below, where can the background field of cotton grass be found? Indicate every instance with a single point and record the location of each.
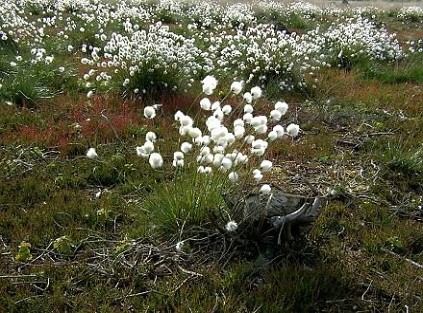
(89, 223)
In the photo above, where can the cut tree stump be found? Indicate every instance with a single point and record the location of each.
(259, 214)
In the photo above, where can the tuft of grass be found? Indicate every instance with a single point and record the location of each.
(403, 159)
(408, 70)
(23, 92)
(149, 83)
(184, 201)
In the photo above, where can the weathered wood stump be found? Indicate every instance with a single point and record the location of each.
(260, 214)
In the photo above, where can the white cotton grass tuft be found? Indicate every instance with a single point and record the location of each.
(186, 120)
(186, 147)
(248, 98)
(236, 87)
(248, 108)
(258, 147)
(275, 115)
(231, 226)
(194, 132)
(272, 135)
(240, 159)
(178, 159)
(233, 177)
(256, 92)
(178, 155)
(148, 147)
(257, 175)
(239, 131)
(91, 153)
(226, 164)
(141, 152)
(226, 138)
(151, 136)
(279, 130)
(209, 84)
(226, 109)
(179, 246)
(205, 104)
(149, 112)
(178, 115)
(266, 165)
(282, 107)
(293, 130)
(215, 105)
(260, 129)
(217, 159)
(238, 122)
(178, 163)
(247, 118)
(249, 139)
(265, 189)
(155, 160)
(204, 169)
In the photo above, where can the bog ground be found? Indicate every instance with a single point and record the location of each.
(133, 133)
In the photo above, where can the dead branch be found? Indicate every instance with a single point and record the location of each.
(403, 258)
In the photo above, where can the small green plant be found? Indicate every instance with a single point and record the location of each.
(64, 245)
(24, 252)
(395, 244)
(408, 162)
(123, 246)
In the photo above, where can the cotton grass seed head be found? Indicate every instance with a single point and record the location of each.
(186, 121)
(272, 136)
(231, 226)
(247, 118)
(178, 163)
(226, 109)
(194, 132)
(266, 165)
(179, 246)
(275, 115)
(209, 84)
(151, 136)
(233, 177)
(236, 87)
(248, 108)
(91, 153)
(149, 112)
(148, 146)
(205, 104)
(186, 147)
(256, 92)
(226, 164)
(178, 155)
(279, 130)
(204, 169)
(257, 175)
(155, 160)
(178, 115)
(248, 98)
(265, 189)
(281, 106)
(293, 130)
(141, 152)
